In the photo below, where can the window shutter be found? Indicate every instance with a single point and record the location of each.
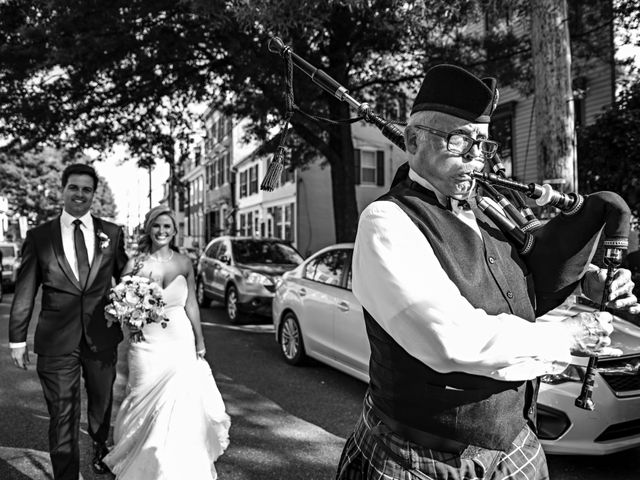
(356, 162)
(380, 167)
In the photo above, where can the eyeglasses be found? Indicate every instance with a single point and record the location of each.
(461, 144)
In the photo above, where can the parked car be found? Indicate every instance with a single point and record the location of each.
(316, 315)
(10, 263)
(242, 273)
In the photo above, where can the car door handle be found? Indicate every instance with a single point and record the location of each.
(344, 306)
(302, 292)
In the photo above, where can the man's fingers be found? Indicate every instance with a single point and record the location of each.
(610, 352)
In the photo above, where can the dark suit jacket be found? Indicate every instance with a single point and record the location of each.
(68, 311)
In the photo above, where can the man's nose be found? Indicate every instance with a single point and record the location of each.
(474, 154)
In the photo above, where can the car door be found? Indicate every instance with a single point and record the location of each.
(221, 268)
(207, 265)
(350, 334)
(320, 280)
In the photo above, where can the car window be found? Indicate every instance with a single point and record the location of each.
(7, 251)
(260, 251)
(212, 250)
(223, 251)
(328, 267)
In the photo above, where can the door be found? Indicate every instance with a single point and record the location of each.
(207, 263)
(350, 334)
(321, 278)
(221, 268)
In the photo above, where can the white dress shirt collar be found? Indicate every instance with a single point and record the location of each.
(413, 175)
(67, 219)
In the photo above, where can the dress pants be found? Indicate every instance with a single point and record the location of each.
(60, 380)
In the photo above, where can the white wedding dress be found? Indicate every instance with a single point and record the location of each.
(172, 424)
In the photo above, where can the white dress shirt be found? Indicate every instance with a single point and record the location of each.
(68, 244)
(398, 279)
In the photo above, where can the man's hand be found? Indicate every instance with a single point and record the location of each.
(621, 295)
(20, 357)
(590, 332)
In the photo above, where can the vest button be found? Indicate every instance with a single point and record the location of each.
(510, 294)
(492, 260)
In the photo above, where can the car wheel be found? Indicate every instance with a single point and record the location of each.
(231, 304)
(201, 295)
(290, 339)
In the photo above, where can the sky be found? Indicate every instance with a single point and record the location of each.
(130, 186)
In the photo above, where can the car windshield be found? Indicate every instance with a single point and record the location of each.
(7, 251)
(251, 251)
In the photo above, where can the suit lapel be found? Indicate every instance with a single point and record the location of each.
(97, 255)
(56, 235)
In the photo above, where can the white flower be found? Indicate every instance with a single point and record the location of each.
(105, 241)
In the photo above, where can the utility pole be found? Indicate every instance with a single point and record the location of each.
(150, 189)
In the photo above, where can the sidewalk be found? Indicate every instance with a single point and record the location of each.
(266, 442)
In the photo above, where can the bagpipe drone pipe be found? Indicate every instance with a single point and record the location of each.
(557, 252)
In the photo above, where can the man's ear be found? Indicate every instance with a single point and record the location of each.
(411, 139)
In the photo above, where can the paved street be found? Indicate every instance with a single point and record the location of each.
(288, 423)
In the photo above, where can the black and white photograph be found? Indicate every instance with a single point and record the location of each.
(330, 240)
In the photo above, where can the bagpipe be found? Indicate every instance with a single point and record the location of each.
(557, 252)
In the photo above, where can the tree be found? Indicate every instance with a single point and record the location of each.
(608, 150)
(32, 184)
(551, 52)
(104, 205)
(96, 73)
(90, 74)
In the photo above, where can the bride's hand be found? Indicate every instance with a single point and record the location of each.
(201, 351)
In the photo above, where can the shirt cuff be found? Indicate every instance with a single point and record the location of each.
(17, 345)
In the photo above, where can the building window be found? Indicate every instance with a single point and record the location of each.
(243, 223)
(277, 222)
(369, 166)
(227, 167)
(501, 130)
(243, 184)
(221, 132)
(289, 224)
(253, 180)
(220, 171)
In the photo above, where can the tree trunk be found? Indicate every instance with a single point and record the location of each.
(555, 132)
(345, 207)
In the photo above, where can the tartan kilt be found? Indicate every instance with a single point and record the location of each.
(373, 452)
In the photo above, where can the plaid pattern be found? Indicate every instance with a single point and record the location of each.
(372, 452)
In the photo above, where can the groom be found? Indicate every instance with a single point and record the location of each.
(73, 258)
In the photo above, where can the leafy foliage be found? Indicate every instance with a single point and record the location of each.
(92, 74)
(32, 184)
(608, 150)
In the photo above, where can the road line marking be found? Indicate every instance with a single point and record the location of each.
(243, 328)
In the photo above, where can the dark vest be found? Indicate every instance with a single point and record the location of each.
(490, 275)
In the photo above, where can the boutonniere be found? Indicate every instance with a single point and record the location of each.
(104, 239)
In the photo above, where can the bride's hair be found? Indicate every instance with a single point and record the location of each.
(144, 241)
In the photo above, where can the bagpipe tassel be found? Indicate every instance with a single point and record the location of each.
(274, 171)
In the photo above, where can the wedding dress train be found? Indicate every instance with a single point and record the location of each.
(172, 423)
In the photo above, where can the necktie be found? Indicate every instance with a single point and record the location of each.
(81, 253)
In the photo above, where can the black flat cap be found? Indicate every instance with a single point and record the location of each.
(453, 90)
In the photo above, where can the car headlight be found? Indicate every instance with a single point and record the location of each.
(572, 373)
(258, 278)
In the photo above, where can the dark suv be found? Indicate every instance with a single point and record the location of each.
(242, 273)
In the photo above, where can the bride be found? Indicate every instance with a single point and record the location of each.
(172, 423)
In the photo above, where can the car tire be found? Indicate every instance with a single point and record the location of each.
(201, 295)
(231, 305)
(290, 340)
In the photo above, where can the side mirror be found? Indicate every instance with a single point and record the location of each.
(225, 259)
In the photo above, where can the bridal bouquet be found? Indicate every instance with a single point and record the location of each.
(134, 302)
